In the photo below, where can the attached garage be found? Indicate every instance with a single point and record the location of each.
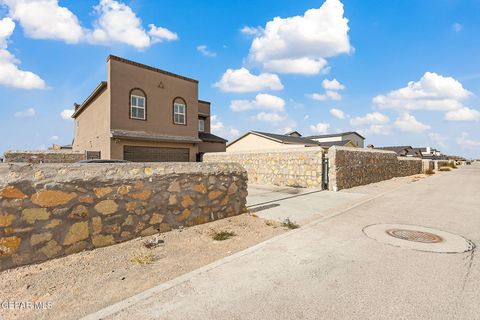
(155, 154)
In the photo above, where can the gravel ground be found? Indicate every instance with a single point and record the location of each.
(82, 283)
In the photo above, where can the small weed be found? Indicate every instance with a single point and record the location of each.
(445, 169)
(452, 165)
(290, 224)
(222, 235)
(143, 259)
(253, 214)
(429, 172)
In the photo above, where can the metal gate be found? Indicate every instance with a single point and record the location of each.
(324, 172)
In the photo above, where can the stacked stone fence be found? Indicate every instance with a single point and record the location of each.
(351, 167)
(52, 210)
(47, 156)
(292, 167)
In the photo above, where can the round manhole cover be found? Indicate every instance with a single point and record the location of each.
(413, 235)
(418, 238)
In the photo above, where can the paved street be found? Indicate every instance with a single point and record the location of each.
(329, 268)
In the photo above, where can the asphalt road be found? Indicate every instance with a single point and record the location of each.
(329, 269)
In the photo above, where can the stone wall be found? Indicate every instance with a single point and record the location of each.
(52, 210)
(351, 167)
(47, 156)
(293, 167)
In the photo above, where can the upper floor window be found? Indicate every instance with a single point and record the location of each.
(201, 125)
(137, 107)
(179, 111)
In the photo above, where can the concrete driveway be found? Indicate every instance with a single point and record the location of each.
(298, 204)
(330, 269)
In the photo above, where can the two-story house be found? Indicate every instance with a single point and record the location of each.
(144, 114)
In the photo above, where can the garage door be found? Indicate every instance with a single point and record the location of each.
(155, 154)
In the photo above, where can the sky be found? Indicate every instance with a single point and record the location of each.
(400, 72)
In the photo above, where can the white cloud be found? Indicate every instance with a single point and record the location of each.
(409, 123)
(370, 118)
(337, 113)
(306, 117)
(262, 101)
(270, 117)
(329, 95)
(234, 132)
(252, 31)
(217, 127)
(431, 92)
(54, 138)
(376, 129)
(241, 80)
(215, 124)
(463, 114)
(67, 114)
(320, 128)
(30, 112)
(10, 74)
(439, 139)
(333, 85)
(45, 19)
(159, 34)
(465, 142)
(457, 27)
(203, 49)
(288, 44)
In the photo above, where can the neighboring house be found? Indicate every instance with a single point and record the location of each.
(144, 114)
(401, 151)
(355, 137)
(256, 140)
(415, 153)
(431, 153)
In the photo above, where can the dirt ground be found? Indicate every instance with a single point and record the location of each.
(76, 285)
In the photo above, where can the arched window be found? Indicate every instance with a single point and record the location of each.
(138, 104)
(179, 111)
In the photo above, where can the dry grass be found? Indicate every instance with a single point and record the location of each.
(290, 224)
(143, 259)
(222, 235)
(445, 169)
(429, 172)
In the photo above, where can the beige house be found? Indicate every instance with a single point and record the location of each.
(257, 141)
(144, 114)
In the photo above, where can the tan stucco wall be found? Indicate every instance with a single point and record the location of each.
(93, 132)
(254, 142)
(117, 147)
(205, 109)
(211, 147)
(124, 77)
(359, 142)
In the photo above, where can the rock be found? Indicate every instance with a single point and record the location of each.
(187, 201)
(106, 207)
(101, 192)
(128, 221)
(78, 231)
(232, 189)
(40, 238)
(148, 232)
(6, 219)
(79, 212)
(112, 228)
(76, 247)
(39, 176)
(9, 246)
(200, 188)
(85, 199)
(51, 249)
(144, 195)
(130, 206)
(12, 192)
(174, 187)
(148, 171)
(97, 225)
(33, 214)
(214, 194)
(52, 198)
(172, 200)
(53, 224)
(124, 189)
(102, 241)
(156, 218)
(184, 216)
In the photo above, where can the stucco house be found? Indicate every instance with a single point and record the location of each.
(258, 141)
(144, 114)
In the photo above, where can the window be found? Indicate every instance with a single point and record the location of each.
(137, 107)
(201, 125)
(179, 113)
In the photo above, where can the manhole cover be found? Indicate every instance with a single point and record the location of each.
(418, 238)
(413, 235)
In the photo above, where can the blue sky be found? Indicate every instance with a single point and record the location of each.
(401, 72)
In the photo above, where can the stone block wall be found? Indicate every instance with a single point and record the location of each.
(47, 156)
(52, 210)
(293, 167)
(351, 167)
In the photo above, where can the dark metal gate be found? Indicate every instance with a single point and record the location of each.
(324, 172)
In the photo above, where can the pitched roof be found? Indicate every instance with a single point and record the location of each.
(341, 134)
(400, 150)
(99, 89)
(208, 137)
(286, 139)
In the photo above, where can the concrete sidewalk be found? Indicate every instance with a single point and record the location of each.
(329, 269)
